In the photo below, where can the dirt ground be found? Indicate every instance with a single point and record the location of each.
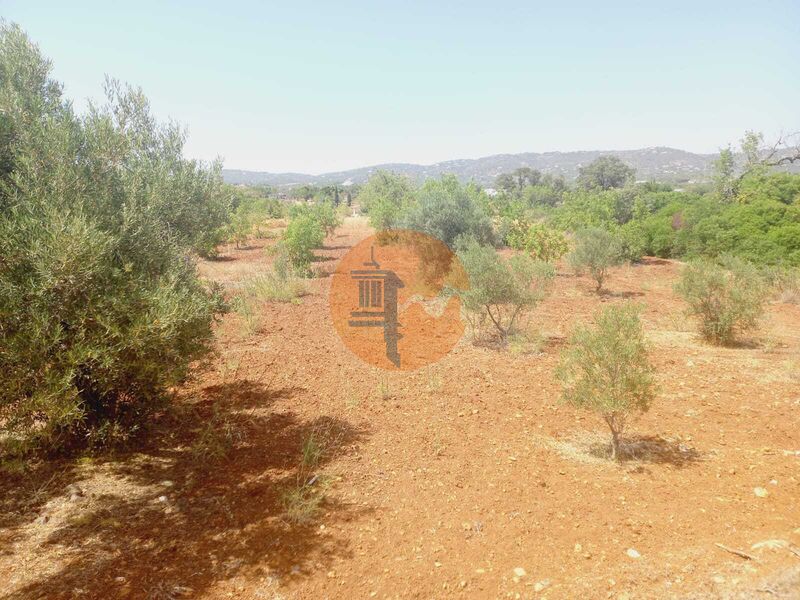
(465, 478)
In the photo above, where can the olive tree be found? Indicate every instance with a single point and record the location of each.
(727, 297)
(385, 198)
(606, 369)
(101, 308)
(448, 210)
(596, 250)
(503, 290)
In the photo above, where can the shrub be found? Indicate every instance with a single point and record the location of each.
(101, 309)
(274, 288)
(327, 216)
(596, 250)
(501, 289)
(302, 235)
(447, 210)
(632, 241)
(785, 282)
(606, 369)
(385, 198)
(539, 240)
(727, 298)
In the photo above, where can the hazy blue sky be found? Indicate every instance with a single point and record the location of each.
(320, 86)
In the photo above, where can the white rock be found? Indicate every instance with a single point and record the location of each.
(633, 553)
(519, 572)
(760, 492)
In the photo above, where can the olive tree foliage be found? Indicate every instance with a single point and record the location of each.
(596, 250)
(727, 297)
(101, 309)
(449, 210)
(606, 369)
(384, 198)
(605, 173)
(502, 290)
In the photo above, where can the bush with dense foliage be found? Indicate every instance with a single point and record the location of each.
(596, 250)
(448, 210)
(540, 241)
(502, 290)
(606, 369)
(727, 298)
(303, 234)
(605, 173)
(385, 197)
(101, 309)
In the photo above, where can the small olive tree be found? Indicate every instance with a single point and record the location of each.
(303, 234)
(728, 297)
(606, 369)
(501, 289)
(596, 250)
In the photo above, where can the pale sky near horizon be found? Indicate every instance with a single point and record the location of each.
(323, 86)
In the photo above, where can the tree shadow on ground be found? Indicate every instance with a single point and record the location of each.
(191, 520)
(649, 449)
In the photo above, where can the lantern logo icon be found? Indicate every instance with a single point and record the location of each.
(377, 303)
(389, 300)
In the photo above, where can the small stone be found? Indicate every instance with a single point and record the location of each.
(632, 553)
(718, 579)
(519, 572)
(163, 499)
(120, 579)
(167, 483)
(578, 548)
(760, 492)
(541, 585)
(331, 574)
(437, 564)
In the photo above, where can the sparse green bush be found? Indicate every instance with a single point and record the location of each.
(785, 282)
(273, 287)
(596, 250)
(606, 369)
(728, 297)
(101, 309)
(503, 290)
(217, 438)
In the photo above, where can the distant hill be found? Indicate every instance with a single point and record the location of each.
(663, 164)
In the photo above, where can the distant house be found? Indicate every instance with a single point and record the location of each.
(491, 192)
